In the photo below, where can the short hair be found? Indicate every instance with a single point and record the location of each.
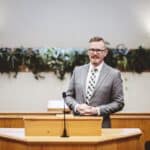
(96, 39)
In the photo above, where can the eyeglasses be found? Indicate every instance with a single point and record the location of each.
(97, 50)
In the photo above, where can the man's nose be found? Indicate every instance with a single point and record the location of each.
(94, 52)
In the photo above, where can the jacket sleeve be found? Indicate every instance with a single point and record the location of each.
(70, 93)
(117, 97)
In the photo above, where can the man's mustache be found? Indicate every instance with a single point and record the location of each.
(94, 56)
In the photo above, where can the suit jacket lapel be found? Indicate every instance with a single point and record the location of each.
(83, 79)
(102, 76)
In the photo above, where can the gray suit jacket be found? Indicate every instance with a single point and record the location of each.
(108, 94)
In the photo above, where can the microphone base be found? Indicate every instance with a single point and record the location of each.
(64, 133)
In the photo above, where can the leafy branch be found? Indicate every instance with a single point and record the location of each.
(62, 61)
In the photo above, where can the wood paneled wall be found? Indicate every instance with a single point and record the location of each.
(15, 120)
(119, 120)
(134, 120)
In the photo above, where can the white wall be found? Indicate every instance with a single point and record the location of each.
(136, 91)
(26, 94)
(70, 23)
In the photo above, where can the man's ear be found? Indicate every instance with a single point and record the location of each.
(106, 52)
(88, 52)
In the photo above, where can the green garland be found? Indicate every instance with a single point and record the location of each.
(61, 61)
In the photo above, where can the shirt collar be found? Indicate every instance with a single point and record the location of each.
(99, 67)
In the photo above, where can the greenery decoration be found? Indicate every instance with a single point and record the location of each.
(61, 61)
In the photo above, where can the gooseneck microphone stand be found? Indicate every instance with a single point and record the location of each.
(64, 134)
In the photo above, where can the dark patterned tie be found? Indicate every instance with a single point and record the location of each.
(91, 85)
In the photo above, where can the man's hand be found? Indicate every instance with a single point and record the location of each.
(84, 109)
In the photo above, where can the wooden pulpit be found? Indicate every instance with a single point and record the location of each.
(54, 125)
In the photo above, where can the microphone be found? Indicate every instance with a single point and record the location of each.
(64, 134)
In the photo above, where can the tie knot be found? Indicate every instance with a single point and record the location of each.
(94, 70)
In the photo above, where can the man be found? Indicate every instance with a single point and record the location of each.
(96, 88)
